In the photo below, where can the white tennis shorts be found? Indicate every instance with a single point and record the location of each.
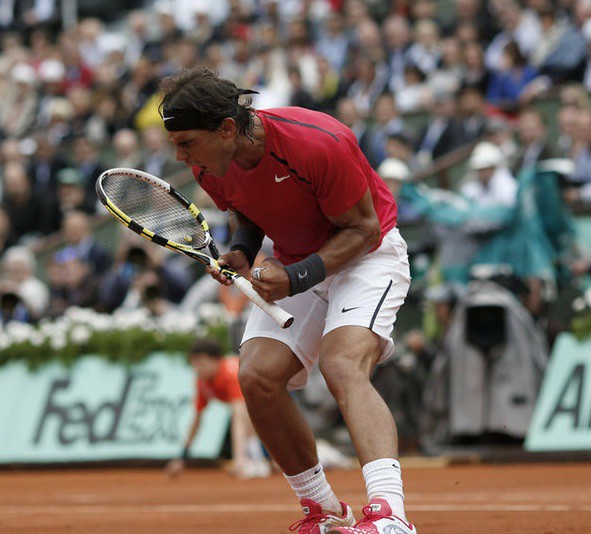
(368, 292)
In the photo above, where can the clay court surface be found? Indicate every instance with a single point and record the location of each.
(463, 499)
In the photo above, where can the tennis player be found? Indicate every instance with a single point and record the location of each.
(340, 267)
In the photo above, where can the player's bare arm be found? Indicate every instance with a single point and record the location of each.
(359, 232)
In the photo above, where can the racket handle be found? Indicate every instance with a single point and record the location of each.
(279, 315)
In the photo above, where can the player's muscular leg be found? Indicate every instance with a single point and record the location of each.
(348, 356)
(266, 365)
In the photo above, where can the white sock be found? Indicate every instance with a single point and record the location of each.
(312, 484)
(254, 448)
(384, 480)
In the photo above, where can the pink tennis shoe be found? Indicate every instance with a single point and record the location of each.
(318, 522)
(377, 519)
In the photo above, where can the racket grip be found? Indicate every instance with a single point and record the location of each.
(279, 315)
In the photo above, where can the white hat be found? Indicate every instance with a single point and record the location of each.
(23, 73)
(392, 168)
(486, 155)
(52, 70)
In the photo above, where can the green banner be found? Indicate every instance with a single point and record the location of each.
(104, 411)
(562, 417)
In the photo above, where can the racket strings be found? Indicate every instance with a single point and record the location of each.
(154, 209)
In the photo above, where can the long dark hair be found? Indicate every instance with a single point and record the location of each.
(198, 99)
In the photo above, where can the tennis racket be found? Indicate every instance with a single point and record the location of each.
(160, 213)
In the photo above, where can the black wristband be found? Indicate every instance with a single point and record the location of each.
(306, 273)
(185, 454)
(247, 240)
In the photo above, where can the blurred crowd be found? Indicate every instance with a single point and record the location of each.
(81, 97)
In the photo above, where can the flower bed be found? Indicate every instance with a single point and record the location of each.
(124, 336)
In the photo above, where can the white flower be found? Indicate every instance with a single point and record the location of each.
(18, 332)
(80, 334)
(37, 339)
(58, 341)
(579, 304)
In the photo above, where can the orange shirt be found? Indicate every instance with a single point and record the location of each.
(223, 386)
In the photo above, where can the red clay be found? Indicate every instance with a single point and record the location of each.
(520, 499)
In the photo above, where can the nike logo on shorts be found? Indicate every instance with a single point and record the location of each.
(280, 179)
(345, 310)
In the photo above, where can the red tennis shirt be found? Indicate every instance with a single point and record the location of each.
(312, 169)
(224, 386)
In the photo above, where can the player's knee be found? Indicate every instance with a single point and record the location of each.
(341, 374)
(256, 385)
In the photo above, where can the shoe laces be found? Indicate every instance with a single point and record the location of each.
(306, 524)
(369, 516)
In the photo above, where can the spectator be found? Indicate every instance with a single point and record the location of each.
(17, 113)
(450, 70)
(472, 113)
(334, 42)
(561, 52)
(59, 128)
(462, 224)
(300, 96)
(132, 261)
(139, 89)
(81, 241)
(415, 94)
(443, 133)
(76, 71)
(158, 158)
(500, 132)
(578, 184)
(71, 283)
(126, 144)
(29, 215)
(472, 12)
(52, 73)
(396, 32)
(42, 168)
(386, 122)
(18, 277)
(425, 52)
(534, 146)
(395, 173)
(86, 158)
(106, 119)
(370, 82)
(519, 26)
(82, 109)
(349, 115)
(512, 84)
(400, 146)
(329, 87)
(567, 118)
(494, 185)
(70, 192)
(475, 72)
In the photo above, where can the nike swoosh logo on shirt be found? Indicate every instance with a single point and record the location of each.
(279, 180)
